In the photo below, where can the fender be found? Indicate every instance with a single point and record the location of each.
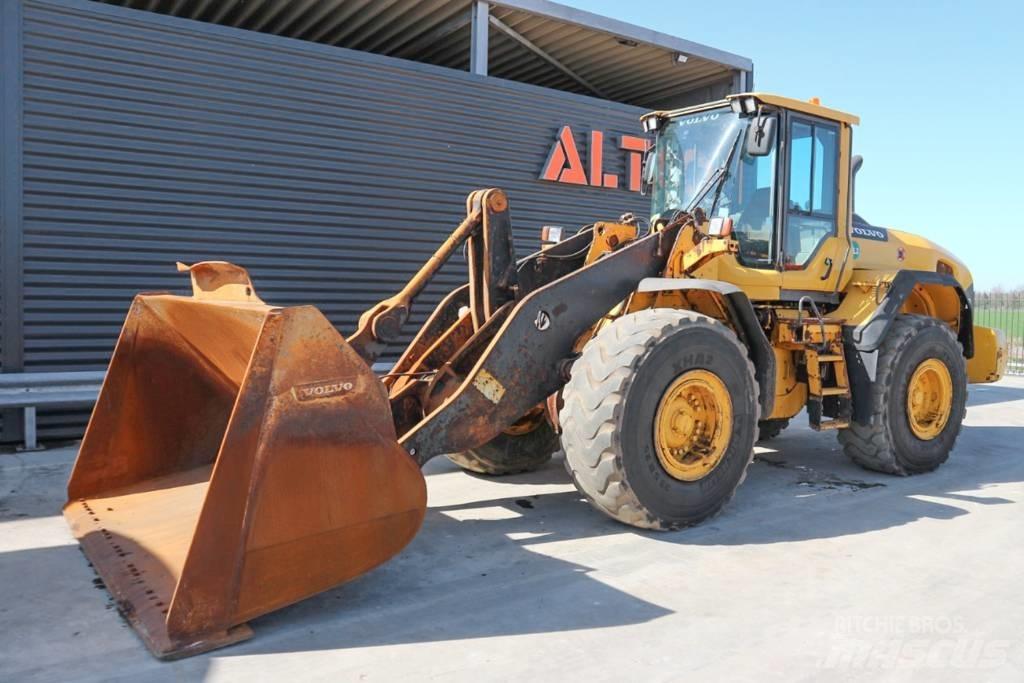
(744, 319)
(862, 341)
(869, 334)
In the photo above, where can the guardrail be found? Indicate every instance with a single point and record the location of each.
(1005, 311)
(29, 390)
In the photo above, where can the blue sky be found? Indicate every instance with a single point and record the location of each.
(938, 89)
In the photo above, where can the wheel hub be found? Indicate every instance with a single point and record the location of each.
(929, 399)
(527, 423)
(692, 425)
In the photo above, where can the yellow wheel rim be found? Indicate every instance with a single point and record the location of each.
(527, 423)
(929, 399)
(692, 425)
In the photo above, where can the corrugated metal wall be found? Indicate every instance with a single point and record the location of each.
(330, 174)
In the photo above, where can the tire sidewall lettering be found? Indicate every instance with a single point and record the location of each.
(690, 347)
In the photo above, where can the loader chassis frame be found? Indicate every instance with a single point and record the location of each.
(243, 456)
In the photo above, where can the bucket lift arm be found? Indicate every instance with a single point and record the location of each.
(488, 232)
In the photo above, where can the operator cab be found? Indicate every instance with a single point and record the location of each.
(773, 171)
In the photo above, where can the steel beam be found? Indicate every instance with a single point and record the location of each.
(621, 29)
(532, 47)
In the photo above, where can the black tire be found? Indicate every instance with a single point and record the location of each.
(769, 429)
(608, 415)
(887, 443)
(511, 453)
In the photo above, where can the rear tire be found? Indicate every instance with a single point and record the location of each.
(769, 429)
(888, 442)
(612, 416)
(511, 453)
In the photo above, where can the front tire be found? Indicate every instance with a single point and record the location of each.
(632, 446)
(919, 400)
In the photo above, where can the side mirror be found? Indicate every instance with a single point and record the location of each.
(761, 135)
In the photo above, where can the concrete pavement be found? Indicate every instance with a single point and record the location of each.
(817, 570)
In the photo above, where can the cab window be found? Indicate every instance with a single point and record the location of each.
(748, 198)
(754, 214)
(811, 205)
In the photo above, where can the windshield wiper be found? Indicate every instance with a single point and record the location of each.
(717, 178)
(704, 189)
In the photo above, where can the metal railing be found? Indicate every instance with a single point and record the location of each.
(31, 390)
(1005, 311)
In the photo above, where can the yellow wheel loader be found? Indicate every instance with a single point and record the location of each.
(244, 456)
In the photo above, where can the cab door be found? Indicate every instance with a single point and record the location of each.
(812, 245)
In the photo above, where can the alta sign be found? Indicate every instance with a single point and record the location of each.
(564, 164)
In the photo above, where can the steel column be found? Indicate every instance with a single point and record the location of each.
(740, 81)
(478, 44)
(11, 263)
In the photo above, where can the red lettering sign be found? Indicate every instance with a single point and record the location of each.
(564, 163)
(635, 147)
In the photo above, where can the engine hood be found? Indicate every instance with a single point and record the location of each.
(887, 249)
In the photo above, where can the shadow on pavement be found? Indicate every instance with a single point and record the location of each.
(988, 394)
(464, 576)
(485, 568)
(808, 491)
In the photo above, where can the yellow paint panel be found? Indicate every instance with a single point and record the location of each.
(803, 107)
(790, 393)
(990, 356)
(488, 385)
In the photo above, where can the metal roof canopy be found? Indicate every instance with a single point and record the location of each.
(531, 41)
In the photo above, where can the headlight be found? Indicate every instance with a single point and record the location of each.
(651, 123)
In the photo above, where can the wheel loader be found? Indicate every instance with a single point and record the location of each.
(243, 456)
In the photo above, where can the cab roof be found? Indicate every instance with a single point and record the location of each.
(804, 107)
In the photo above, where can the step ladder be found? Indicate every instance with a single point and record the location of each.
(827, 376)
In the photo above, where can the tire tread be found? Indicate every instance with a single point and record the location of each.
(870, 445)
(593, 401)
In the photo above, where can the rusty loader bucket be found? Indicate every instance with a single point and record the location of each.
(240, 457)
